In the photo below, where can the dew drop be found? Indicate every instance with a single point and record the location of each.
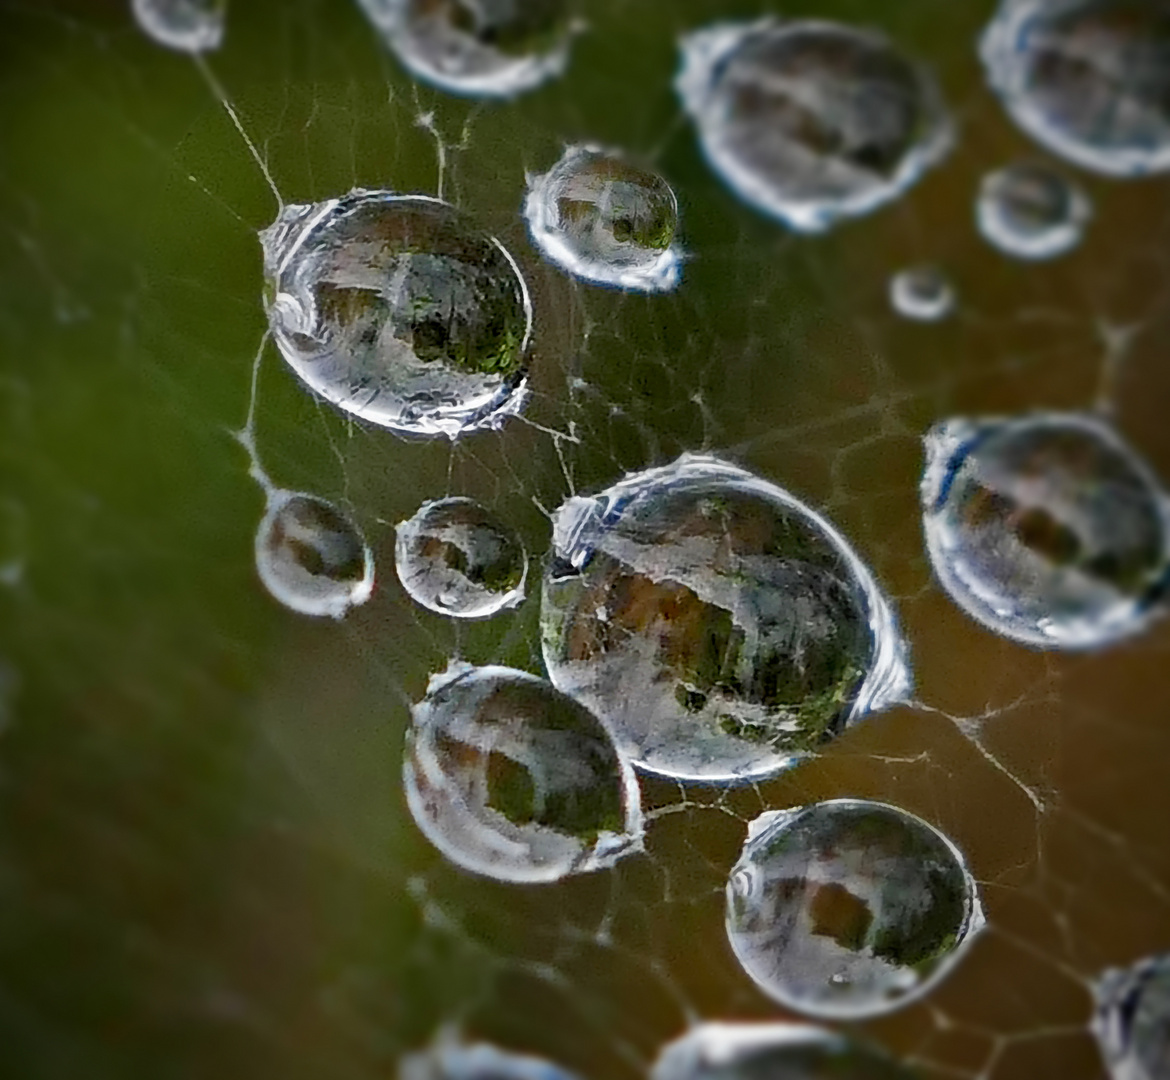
(478, 1061)
(478, 48)
(1088, 79)
(857, 909)
(1132, 1021)
(811, 121)
(397, 309)
(1047, 529)
(603, 219)
(192, 26)
(721, 628)
(511, 779)
(458, 558)
(311, 556)
(772, 1051)
(922, 293)
(1031, 211)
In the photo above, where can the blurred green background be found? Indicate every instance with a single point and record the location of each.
(206, 865)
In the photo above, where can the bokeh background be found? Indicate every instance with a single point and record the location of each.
(206, 863)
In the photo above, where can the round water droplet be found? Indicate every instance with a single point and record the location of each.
(477, 1062)
(605, 220)
(1047, 529)
(1031, 211)
(922, 293)
(720, 627)
(192, 26)
(480, 48)
(311, 556)
(849, 909)
(1132, 1022)
(718, 1051)
(400, 311)
(811, 121)
(1089, 79)
(457, 558)
(510, 778)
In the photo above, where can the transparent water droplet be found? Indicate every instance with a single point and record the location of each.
(511, 779)
(811, 121)
(859, 909)
(1132, 1020)
(478, 1061)
(458, 558)
(1032, 211)
(1088, 79)
(1047, 529)
(721, 628)
(399, 310)
(772, 1051)
(922, 293)
(311, 556)
(192, 26)
(603, 219)
(478, 48)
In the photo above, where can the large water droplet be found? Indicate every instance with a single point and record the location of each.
(811, 121)
(720, 627)
(855, 908)
(716, 1051)
(510, 778)
(458, 558)
(604, 219)
(1031, 211)
(1089, 79)
(192, 26)
(479, 48)
(1047, 529)
(1132, 1022)
(311, 556)
(397, 309)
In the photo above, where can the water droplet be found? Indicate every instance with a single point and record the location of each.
(605, 220)
(510, 778)
(1132, 1022)
(1086, 78)
(859, 908)
(720, 627)
(720, 1051)
(311, 556)
(477, 1062)
(397, 309)
(811, 121)
(458, 558)
(192, 26)
(1047, 529)
(1031, 211)
(477, 48)
(922, 293)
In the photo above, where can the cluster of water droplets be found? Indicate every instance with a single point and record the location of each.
(697, 621)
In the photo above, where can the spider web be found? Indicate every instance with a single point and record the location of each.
(207, 865)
